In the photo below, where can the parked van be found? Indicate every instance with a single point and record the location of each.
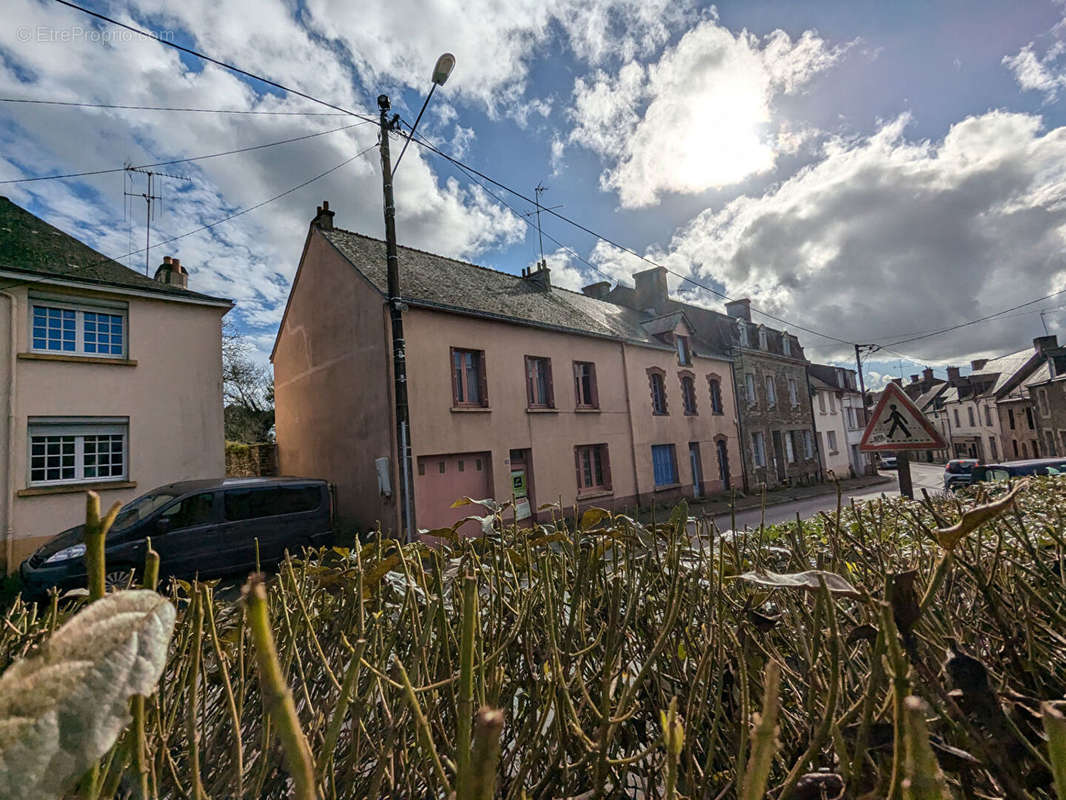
(202, 528)
(1017, 469)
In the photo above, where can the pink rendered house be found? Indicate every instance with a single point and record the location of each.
(517, 390)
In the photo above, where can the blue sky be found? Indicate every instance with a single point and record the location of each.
(863, 169)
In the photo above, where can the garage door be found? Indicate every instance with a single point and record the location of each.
(443, 479)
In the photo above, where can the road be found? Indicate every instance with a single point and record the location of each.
(923, 476)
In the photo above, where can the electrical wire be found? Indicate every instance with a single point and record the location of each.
(181, 160)
(74, 104)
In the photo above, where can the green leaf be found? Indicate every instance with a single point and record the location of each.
(63, 709)
(593, 517)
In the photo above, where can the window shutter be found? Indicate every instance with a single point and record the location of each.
(595, 388)
(605, 459)
(551, 388)
(577, 384)
(530, 388)
(482, 379)
(577, 466)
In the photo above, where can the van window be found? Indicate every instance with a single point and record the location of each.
(271, 501)
(192, 511)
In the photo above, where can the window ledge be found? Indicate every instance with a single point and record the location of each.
(586, 410)
(542, 411)
(75, 488)
(594, 493)
(118, 362)
(470, 409)
(667, 487)
(660, 413)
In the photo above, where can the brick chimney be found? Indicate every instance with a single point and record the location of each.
(323, 217)
(914, 378)
(1043, 343)
(651, 289)
(599, 291)
(927, 375)
(978, 364)
(953, 375)
(897, 381)
(539, 277)
(739, 309)
(172, 273)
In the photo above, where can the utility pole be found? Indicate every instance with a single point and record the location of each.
(396, 309)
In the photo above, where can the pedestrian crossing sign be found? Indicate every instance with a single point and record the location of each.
(897, 424)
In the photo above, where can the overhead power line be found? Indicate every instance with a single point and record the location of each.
(69, 175)
(75, 104)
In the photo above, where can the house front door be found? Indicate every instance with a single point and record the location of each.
(779, 456)
(723, 463)
(697, 469)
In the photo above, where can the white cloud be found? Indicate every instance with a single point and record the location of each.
(1042, 68)
(887, 236)
(699, 117)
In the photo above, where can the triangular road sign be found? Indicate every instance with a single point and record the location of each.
(897, 424)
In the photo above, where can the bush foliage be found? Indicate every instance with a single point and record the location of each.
(889, 649)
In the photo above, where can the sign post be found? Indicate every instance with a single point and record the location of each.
(898, 426)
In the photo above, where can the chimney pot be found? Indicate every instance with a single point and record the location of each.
(927, 373)
(914, 378)
(323, 217)
(953, 374)
(540, 277)
(172, 273)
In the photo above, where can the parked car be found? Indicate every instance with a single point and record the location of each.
(1017, 469)
(958, 473)
(887, 461)
(202, 528)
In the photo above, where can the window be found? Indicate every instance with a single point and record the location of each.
(745, 336)
(664, 464)
(762, 339)
(270, 502)
(992, 451)
(682, 351)
(749, 385)
(831, 441)
(786, 344)
(771, 392)
(79, 331)
(688, 394)
(808, 445)
(793, 392)
(539, 393)
(832, 404)
(790, 452)
(1029, 417)
(585, 394)
(716, 395)
(988, 416)
(658, 392)
(758, 449)
(468, 378)
(593, 468)
(821, 402)
(199, 509)
(957, 423)
(1045, 409)
(66, 451)
(969, 414)
(1010, 419)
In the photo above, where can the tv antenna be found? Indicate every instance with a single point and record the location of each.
(538, 191)
(150, 199)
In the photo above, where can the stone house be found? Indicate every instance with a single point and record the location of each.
(838, 419)
(517, 389)
(775, 422)
(1048, 390)
(110, 380)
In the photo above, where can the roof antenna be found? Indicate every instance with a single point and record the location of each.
(538, 191)
(149, 199)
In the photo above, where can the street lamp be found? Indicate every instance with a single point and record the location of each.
(441, 71)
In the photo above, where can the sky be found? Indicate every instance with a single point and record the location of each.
(868, 172)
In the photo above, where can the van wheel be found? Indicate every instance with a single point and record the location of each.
(117, 580)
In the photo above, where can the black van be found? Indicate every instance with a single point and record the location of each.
(1017, 469)
(202, 527)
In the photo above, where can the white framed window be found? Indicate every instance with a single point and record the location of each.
(831, 440)
(749, 384)
(745, 337)
(790, 453)
(82, 329)
(808, 445)
(793, 393)
(72, 450)
(771, 392)
(758, 449)
(762, 339)
(786, 344)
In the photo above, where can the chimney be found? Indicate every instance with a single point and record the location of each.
(953, 375)
(323, 217)
(172, 273)
(599, 291)
(740, 309)
(978, 364)
(897, 381)
(1044, 343)
(539, 277)
(927, 375)
(914, 378)
(651, 289)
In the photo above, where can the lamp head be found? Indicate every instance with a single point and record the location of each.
(443, 68)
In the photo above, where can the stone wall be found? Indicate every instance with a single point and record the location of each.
(251, 460)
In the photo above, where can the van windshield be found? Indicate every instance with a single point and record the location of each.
(139, 509)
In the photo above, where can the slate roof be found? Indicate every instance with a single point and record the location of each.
(435, 281)
(925, 400)
(29, 244)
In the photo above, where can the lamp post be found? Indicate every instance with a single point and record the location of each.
(441, 71)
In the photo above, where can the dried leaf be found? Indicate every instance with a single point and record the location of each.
(448, 534)
(975, 517)
(593, 517)
(861, 632)
(63, 709)
(808, 581)
(488, 503)
(373, 575)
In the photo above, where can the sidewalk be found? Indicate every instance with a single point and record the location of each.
(718, 505)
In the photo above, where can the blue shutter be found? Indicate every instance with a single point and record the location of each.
(664, 464)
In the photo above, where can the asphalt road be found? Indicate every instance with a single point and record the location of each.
(923, 476)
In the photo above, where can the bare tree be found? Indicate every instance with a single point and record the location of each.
(247, 389)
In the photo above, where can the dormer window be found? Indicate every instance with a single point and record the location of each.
(683, 355)
(786, 344)
(762, 338)
(742, 328)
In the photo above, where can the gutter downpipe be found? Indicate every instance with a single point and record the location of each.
(9, 488)
(632, 431)
(740, 427)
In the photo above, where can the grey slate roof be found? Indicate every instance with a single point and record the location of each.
(29, 244)
(448, 284)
